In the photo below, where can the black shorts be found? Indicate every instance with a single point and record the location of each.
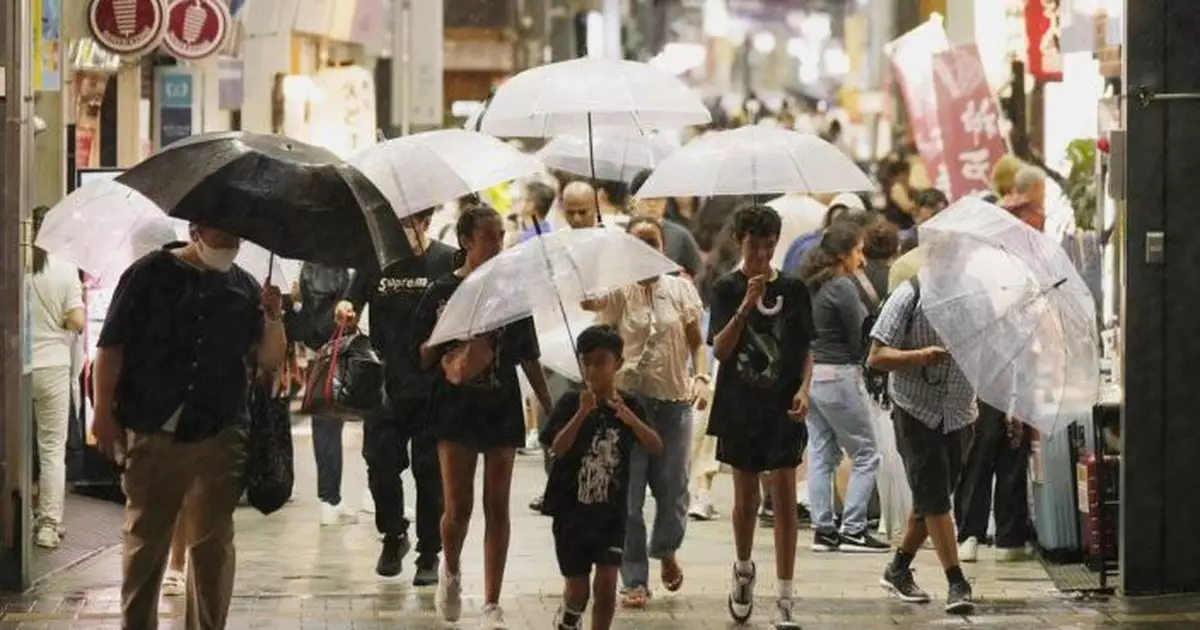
(933, 461)
(774, 444)
(582, 541)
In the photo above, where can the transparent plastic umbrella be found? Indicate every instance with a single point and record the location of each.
(1014, 313)
(755, 160)
(574, 97)
(800, 214)
(556, 339)
(424, 170)
(616, 158)
(538, 277)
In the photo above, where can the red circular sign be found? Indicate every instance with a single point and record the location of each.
(127, 27)
(195, 28)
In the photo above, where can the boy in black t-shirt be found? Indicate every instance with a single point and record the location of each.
(590, 435)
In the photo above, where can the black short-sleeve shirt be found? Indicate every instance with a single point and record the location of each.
(592, 478)
(767, 368)
(486, 411)
(187, 337)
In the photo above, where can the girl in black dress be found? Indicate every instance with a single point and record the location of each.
(476, 410)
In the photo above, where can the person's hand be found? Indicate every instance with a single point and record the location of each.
(701, 392)
(799, 410)
(587, 402)
(343, 314)
(755, 289)
(1015, 430)
(110, 438)
(272, 302)
(930, 355)
(624, 413)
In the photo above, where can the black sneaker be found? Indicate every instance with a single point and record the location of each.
(427, 571)
(826, 541)
(536, 504)
(900, 583)
(391, 557)
(958, 601)
(803, 516)
(863, 542)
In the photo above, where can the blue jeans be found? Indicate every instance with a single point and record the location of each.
(840, 418)
(667, 476)
(327, 447)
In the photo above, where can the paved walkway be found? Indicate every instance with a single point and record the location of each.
(294, 574)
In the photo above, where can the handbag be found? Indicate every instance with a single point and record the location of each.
(346, 379)
(270, 461)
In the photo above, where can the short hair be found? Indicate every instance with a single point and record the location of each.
(757, 221)
(931, 198)
(1027, 177)
(615, 191)
(542, 197)
(600, 337)
(638, 181)
(881, 239)
(1004, 174)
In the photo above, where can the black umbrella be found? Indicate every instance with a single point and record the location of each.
(296, 200)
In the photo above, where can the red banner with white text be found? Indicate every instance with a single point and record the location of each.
(969, 118)
(911, 56)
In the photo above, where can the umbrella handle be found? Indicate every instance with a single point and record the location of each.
(270, 269)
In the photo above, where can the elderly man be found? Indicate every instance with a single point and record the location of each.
(185, 329)
(1028, 200)
(579, 205)
(679, 245)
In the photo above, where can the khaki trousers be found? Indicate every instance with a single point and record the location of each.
(163, 476)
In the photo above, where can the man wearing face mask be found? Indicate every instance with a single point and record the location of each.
(184, 331)
(393, 295)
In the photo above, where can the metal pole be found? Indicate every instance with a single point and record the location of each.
(14, 248)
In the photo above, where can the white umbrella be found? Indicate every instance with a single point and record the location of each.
(616, 158)
(755, 160)
(799, 214)
(573, 97)
(424, 170)
(556, 340)
(536, 278)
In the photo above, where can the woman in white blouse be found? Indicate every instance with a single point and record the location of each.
(666, 366)
(56, 304)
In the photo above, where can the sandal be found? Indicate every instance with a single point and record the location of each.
(672, 575)
(636, 597)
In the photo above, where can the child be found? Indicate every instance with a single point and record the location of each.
(590, 435)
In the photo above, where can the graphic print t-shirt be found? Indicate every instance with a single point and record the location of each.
(767, 367)
(592, 478)
(495, 391)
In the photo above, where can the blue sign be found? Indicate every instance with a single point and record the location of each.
(175, 106)
(175, 91)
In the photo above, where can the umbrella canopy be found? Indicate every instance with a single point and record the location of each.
(1013, 312)
(296, 200)
(617, 158)
(755, 160)
(572, 97)
(425, 170)
(538, 276)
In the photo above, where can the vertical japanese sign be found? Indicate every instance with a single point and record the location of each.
(1042, 33)
(176, 105)
(427, 106)
(912, 61)
(968, 115)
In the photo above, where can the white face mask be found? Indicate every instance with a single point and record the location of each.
(417, 240)
(215, 258)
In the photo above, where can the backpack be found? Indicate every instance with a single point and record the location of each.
(321, 288)
(876, 381)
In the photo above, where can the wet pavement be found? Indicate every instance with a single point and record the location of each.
(292, 573)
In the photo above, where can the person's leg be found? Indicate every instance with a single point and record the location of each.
(175, 581)
(52, 408)
(855, 433)
(635, 564)
(746, 500)
(427, 475)
(385, 449)
(604, 597)
(1012, 497)
(704, 467)
(669, 484)
(783, 491)
(458, 497)
(157, 477)
(214, 496)
(898, 575)
(497, 490)
(823, 457)
(576, 592)
(973, 496)
(327, 449)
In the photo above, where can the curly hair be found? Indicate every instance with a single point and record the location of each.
(600, 337)
(756, 220)
(881, 239)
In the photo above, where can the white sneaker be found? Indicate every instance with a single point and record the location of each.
(336, 514)
(449, 596)
(174, 583)
(784, 619)
(741, 595)
(47, 537)
(492, 618)
(702, 508)
(368, 502)
(968, 551)
(531, 442)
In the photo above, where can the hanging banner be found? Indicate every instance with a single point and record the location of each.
(969, 117)
(1042, 32)
(912, 61)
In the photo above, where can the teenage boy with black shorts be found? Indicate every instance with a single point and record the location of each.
(760, 331)
(589, 435)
